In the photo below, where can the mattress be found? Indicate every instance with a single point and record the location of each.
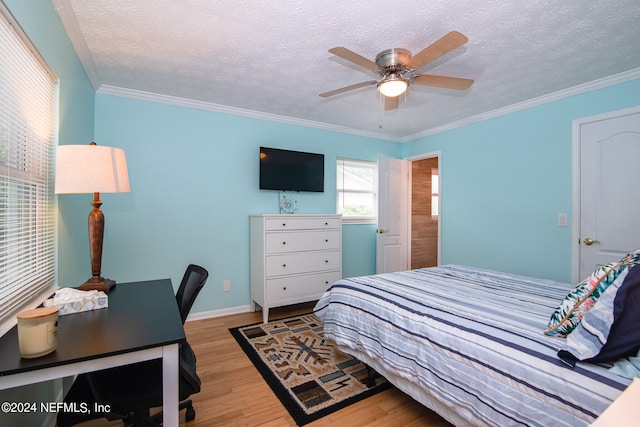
(469, 344)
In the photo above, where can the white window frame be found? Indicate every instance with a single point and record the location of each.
(358, 219)
(28, 103)
(435, 193)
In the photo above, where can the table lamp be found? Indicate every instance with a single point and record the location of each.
(92, 169)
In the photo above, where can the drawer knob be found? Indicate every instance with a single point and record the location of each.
(284, 265)
(284, 224)
(284, 288)
(326, 282)
(326, 223)
(284, 243)
(326, 240)
(326, 260)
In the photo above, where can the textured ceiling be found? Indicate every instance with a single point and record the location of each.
(271, 56)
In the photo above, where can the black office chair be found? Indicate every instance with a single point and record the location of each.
(192, 283)
(131, 390)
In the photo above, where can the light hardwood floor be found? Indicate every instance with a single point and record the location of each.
(234, 394)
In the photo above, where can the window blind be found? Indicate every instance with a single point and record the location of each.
(27, 216)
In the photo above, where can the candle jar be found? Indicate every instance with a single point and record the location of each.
(37, 332)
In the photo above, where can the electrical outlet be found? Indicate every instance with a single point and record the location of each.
(226, 285)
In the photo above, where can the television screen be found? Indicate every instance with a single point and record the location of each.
(287, 170)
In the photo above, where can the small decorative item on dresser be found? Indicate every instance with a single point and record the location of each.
(37, 332)
(287, 205)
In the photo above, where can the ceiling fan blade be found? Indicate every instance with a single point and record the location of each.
(351, 56)
(391, 103)
(442, 81)
(444, 45)
(348, 88)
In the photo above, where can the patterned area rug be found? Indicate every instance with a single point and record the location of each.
(310, 376)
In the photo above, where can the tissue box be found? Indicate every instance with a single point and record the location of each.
(69, 300)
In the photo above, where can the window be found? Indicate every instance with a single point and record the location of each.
(435, 196)
(27, 216)
(356, 182)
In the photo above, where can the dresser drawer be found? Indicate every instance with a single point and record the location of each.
(280, 265)
(302, 241)
(273, 224)
(311, 285)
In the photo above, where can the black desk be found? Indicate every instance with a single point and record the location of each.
(142, 322)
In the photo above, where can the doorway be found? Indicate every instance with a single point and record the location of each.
(409, 204)
(425, 212)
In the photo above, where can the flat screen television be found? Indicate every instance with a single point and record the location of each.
(287, 170)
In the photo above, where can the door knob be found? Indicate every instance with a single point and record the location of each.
(589, 241)
(381, 231)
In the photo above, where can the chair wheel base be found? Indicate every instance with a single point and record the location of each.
(190, 415)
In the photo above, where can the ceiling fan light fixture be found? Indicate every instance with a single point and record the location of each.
(393, 85)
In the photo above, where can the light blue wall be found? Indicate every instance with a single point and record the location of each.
(194, 179)
(76, 121)
(505, 180)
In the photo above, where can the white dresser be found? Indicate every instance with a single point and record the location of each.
(294, 258)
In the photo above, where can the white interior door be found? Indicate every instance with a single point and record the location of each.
(393, 215)
(608, 154)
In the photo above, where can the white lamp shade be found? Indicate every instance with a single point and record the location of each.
(91, 169)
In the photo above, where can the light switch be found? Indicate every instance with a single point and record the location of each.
(563, 220)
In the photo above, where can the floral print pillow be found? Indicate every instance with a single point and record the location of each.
(632, 258)
(573, 308)
(581, 299)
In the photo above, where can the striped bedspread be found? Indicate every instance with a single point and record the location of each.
(469, 344)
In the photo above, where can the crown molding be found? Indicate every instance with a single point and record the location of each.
(533, 102)
(202, 105)
(70, 24)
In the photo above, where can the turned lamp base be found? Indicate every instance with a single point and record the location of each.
(98, 284)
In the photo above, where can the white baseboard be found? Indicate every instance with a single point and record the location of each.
(218, 313)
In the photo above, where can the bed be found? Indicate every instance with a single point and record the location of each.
(468, 343)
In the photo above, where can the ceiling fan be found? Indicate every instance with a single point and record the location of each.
(396, 67)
